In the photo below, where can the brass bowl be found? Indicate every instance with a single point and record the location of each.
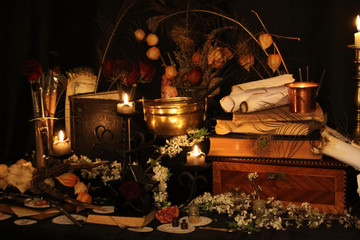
(168, 117)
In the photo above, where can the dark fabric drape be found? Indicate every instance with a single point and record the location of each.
(67, 32)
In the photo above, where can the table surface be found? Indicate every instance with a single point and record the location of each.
(46, 229)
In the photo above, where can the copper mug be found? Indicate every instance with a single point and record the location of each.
(302, 96)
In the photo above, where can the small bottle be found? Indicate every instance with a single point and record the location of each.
(175, 222)
(184, 224)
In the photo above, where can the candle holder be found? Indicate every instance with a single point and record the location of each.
(43, 143)
(196, 178)
(356, 132)
(126, 134)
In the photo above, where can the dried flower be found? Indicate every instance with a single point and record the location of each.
(152, 39)
(146, 70)
(218, 56)
(139, 34)
(265, 40)
(246, 61)
(68, 179)
(32, 70)
(274, 61)
(153, 53)
(166, 214)
(168, 91)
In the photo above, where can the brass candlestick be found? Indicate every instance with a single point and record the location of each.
(356, 132)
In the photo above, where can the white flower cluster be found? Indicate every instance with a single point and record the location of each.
(106, 172)
(174, 145)
(223, 203)
(253, 176)
(275, 215)
(161, 174)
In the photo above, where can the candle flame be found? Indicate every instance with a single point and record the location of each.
(61, 136)
(358, 23)
(126, 99)
(196, 151)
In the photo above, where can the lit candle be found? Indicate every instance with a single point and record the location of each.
(357, 35)
(195, 157)
(61, 145)
(126, 107)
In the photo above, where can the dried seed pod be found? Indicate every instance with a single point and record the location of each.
(84, 197)
(68, 179)
(246, 61)
(152, 39)
(139, 34)
(274, 61)
(80, 187)
(153, 53)
(196, 57)
(170, 72)
(265, 40)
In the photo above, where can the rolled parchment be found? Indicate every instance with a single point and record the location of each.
(264, 83)
(340, 150)
(261, 101)
(231, 103)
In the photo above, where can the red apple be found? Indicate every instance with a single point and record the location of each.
(194, 76)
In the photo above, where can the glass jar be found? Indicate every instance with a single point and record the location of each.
(259, 207)
(193, 214)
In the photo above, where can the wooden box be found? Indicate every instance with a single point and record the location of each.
(323, 183)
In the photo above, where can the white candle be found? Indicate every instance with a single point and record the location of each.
(357, 35)
(61, 146)
(126, 107)
(195, 157)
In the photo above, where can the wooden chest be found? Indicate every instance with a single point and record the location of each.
(323, 183)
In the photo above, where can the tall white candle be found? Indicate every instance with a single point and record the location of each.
(357, 35)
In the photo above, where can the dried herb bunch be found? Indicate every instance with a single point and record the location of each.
(199, 47)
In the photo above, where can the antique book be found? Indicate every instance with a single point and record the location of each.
(121, 221)
(97, 131)
(241, 145)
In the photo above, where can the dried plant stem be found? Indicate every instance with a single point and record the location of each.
(275, 46)
(110, 40)
(219, 15)
(279, 36)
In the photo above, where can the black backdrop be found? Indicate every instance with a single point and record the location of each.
(70, 30)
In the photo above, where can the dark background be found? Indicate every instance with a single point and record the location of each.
(70, 33)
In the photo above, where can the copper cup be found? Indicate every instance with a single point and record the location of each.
(302, 96)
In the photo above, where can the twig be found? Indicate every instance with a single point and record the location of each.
(320, 82)
(110, 40)
(277, 49)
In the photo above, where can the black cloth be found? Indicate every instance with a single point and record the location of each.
(45, 229)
